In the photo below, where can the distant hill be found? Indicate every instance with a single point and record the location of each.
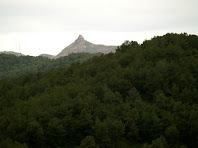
(47, 56)
(13, 66)
(11, 52)
(81, 45)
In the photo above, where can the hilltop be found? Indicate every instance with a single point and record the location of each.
(81, 45)
(12, 53)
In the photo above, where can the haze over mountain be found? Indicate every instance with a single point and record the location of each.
(81, 45)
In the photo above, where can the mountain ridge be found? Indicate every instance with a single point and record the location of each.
(78, 46)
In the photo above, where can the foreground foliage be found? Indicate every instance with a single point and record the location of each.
(143, 93)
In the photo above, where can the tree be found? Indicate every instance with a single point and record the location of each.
(8, 143)
(157, 143)
(172, 135)
(88, 142)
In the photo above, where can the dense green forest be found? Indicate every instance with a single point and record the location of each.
(13, 66)
(141, 96)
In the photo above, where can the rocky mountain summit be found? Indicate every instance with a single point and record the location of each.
(81, 45)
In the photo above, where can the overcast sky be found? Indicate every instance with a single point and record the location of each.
(47, 26)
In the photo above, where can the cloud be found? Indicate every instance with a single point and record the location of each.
(111, 15)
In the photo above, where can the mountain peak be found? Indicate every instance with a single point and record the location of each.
(80, 38)
(81, 45)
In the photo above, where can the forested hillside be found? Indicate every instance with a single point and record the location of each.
(141, 96)
(12, 66)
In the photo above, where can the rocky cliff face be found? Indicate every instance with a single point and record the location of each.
(81, 45)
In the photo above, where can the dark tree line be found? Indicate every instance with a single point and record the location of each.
(142, 96)
(13, 66)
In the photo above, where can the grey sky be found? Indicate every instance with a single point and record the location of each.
(100, 20)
